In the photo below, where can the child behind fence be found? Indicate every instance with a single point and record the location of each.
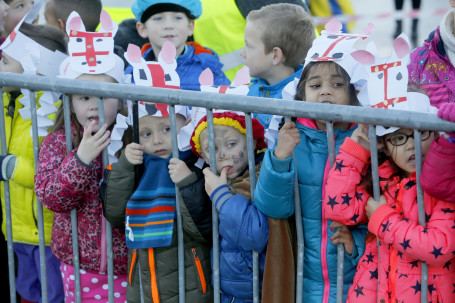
(391, 268)
(277, 39)
(67, 181)
(148, 213)
(242, 228)
(173, 20)
(18, 165)
(332, 82)
(403, 244)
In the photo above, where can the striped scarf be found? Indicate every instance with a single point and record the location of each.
(150, 210)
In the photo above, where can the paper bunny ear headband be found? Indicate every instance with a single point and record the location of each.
(91, 52)
(333, 45)
(238, 87)
(151, 73)
(34, 57)
(387, 85)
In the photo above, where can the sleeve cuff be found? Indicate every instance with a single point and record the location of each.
(447, 140)
(356, 150)
(278, 165)
(82, 163)
(378, 217)
(220, 195)
(187, 180)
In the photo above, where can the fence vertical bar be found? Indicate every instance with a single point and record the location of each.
(252, 170)
(181, 261)
(137, 177)
(299, 233)
(216, 244)
(39, 206)
(375, 173)
(421, 206)
(9, 225)
(74, 229)
(340, 247)
(109, 253)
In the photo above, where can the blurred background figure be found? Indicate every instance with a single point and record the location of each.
(226, 18)
(17, 10)
(327, 8)
(56, 12)
(399, 20)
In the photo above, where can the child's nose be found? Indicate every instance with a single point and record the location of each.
(93, 103)
(326, 89)
(157, 139)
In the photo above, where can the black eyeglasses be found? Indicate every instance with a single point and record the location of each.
(398, 139)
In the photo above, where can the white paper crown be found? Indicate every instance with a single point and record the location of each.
(161, 73)
(92, 52)
(34, 58)
(387, 85)
(333, 45)
(238, 87)
(153, 74)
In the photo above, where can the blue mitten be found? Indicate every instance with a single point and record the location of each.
(7, 164)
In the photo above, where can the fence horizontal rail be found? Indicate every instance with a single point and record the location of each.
(317, 111)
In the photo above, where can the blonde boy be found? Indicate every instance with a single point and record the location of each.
(277, 39)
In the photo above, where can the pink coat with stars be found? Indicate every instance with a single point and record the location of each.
(403, 243)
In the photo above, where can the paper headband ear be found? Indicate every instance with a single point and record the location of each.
(388, 76)
(238, 87)
(333, 45)
(387, 85)
(91, 52)
(151, 73)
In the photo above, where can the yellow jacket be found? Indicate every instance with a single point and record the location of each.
(21, 185)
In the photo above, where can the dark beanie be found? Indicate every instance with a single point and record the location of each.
(164, 7)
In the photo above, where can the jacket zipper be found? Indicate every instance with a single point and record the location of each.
(199, 270)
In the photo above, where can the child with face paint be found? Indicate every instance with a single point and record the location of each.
(242, 227)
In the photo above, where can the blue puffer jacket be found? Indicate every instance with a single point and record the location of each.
(190, 65)
(242, 228)
(275, 198)
(260, 88)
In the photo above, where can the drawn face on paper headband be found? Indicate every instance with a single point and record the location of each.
(334, 45)
(388, 76)
(151, 73)
(91, 51)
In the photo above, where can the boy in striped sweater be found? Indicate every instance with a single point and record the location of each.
(148, 214)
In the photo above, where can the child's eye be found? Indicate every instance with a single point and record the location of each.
(85, 98)
(231, 144)
(146, 134)
(315, 85)
(338, 84)
(166, 129)
(157, 18)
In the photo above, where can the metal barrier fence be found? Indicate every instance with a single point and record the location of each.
(210, 101)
